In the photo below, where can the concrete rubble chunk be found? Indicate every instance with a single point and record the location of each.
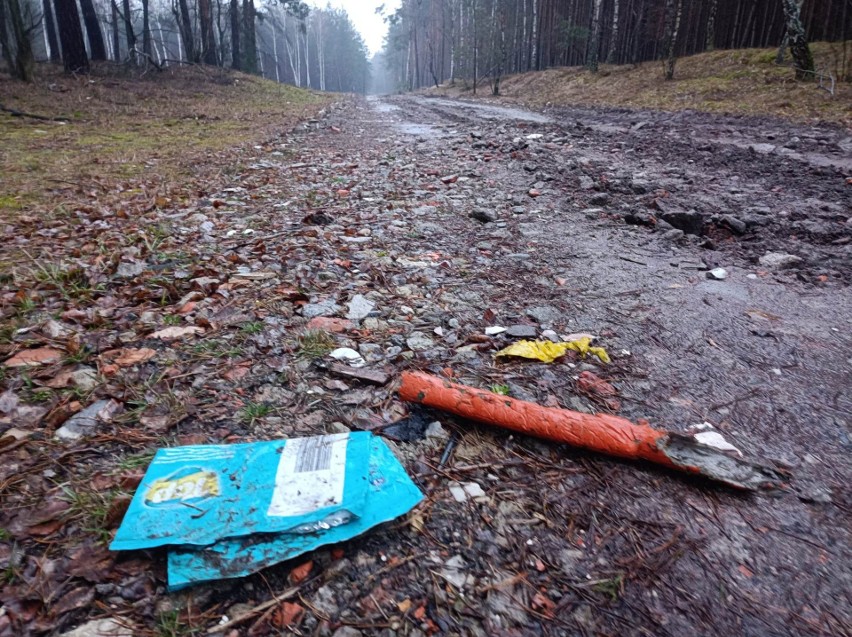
(779, 260)
(359, 308)
(84, 423)
(101, 628)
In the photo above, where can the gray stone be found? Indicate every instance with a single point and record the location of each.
(419, 342)
(453, 571)
(323, 308)
(522, 331)
(483, 215)
(359, 308)
(130, 269)
(101, 628)
(372, 352)
(85, 378)
(779, 260)
(762, 149)
(673, 235)
(325, 600)
(737, 225)
(545, 313)
(690, 221)
(84, 423)
(347, 631)
(599, 199)
(587, 183)
(436, 430)
(640, 218)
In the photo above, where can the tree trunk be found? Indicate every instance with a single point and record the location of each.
(185, 25)
(116, 40)
(5, 45)
(595, 40)
(128, 31)
(249, 38)
(18, 51)
(146, 28)
(799, 48)
(674, 11)
(71, 36)
(710, 40)
(97, 48)
(208, 43)
(613, 42)
(50, 28)
(236, 59)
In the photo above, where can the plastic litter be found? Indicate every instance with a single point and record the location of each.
(348, 355)
(599, 432)
(547, 351)
(230, 510)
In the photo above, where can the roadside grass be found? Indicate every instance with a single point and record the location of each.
(737, 82)
(130, 137)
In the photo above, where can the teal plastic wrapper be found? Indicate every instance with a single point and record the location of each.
(231, 510)
(200, 494)
(391, 493)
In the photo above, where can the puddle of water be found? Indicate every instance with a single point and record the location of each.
(488, 111)
(380, 105)
(419, 130)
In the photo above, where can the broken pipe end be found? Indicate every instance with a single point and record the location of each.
(690, 455)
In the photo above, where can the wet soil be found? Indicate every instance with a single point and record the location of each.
(452, 217)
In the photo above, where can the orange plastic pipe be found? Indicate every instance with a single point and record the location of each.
(602, 433)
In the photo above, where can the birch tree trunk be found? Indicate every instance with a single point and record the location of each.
(595, 40)
(613, 36)
(50, 31)
(674, 11)
(710, 41)
(799, 48)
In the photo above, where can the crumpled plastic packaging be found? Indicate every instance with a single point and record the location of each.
(230, 510)
(547, 352)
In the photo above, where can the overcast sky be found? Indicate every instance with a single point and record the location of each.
(363, 15)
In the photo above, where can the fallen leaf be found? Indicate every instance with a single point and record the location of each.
(288, 615)
(301, 572)
(34, 357)
(130, 357)
(79, 597)
(174, 333)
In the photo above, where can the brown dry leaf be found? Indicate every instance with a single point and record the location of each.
(288, 615)
(34, 357)
(90, 562)
(79, 597)
(174, 333)
(301, 572)
(130, 357)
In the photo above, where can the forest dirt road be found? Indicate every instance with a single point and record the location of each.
(451, 217)
(566, 543)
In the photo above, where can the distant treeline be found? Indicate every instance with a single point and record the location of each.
(279, 39)
(431, 41)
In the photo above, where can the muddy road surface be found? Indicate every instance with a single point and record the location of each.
(711, 257)
(608, 222)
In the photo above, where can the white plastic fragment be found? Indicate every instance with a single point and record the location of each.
(494, 330)
(349, 356)
(707, 435)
